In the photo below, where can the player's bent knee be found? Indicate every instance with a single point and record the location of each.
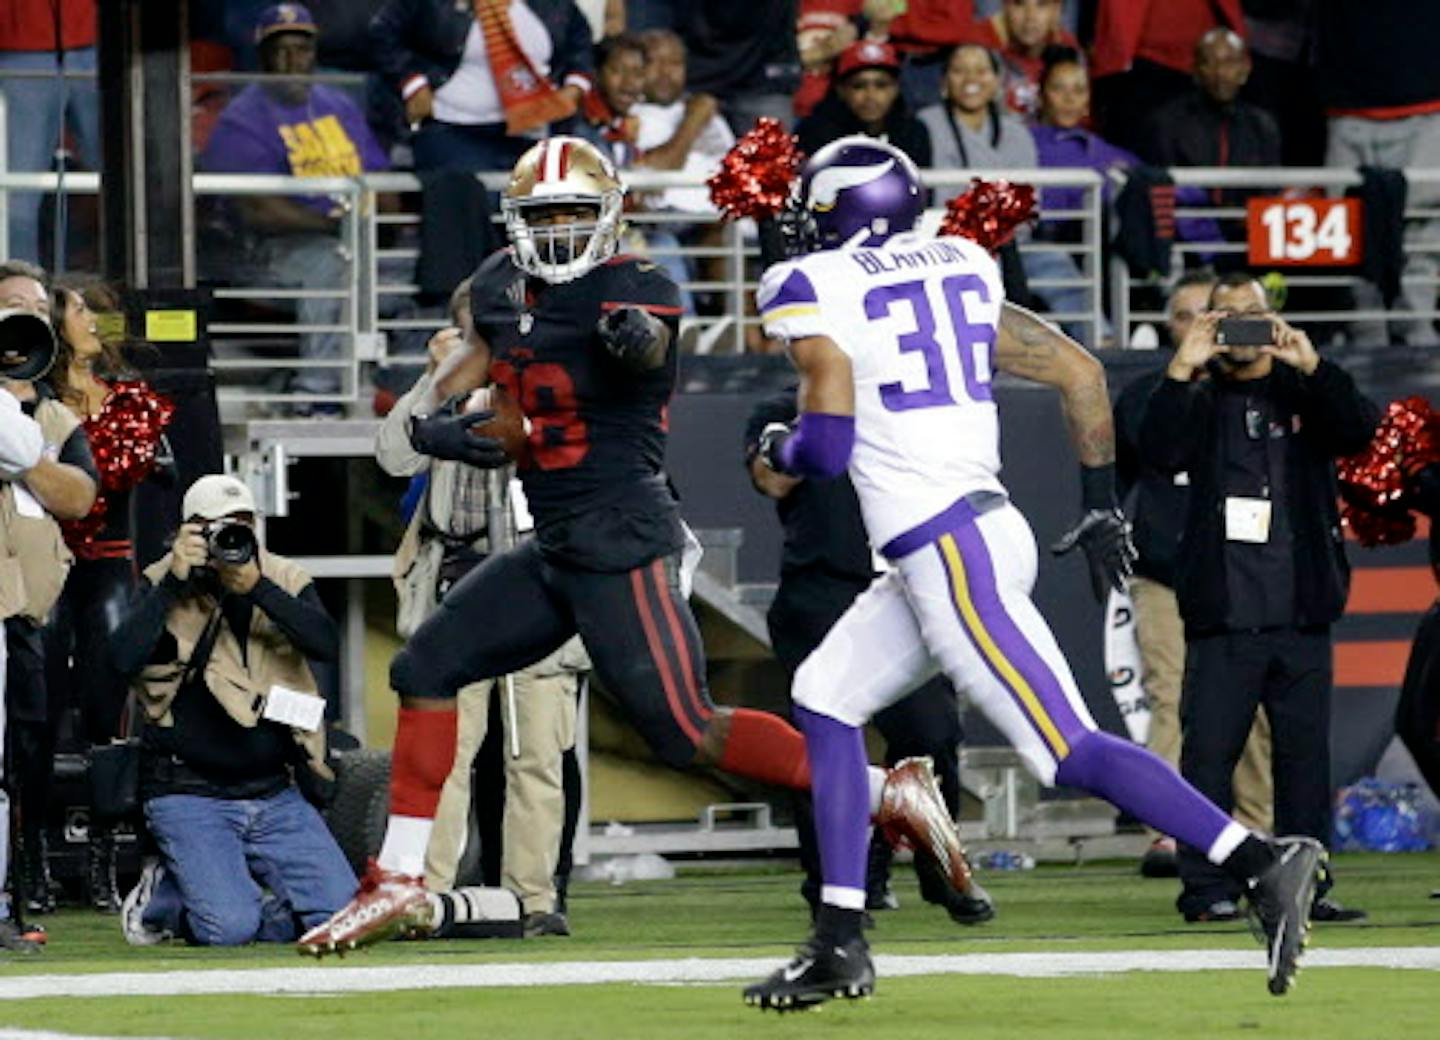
(412, 676)
(814, 691)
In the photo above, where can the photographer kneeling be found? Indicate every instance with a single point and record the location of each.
(215, 646)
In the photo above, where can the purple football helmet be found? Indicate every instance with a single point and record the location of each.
(860, 184)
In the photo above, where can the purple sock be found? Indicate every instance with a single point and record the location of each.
(840, 787)
(1142, 784)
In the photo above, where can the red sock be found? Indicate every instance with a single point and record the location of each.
(765, 747)
(424, 752)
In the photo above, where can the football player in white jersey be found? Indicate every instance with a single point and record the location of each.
(896, 338)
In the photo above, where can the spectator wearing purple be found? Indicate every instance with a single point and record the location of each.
(293, 127)
(480, 93)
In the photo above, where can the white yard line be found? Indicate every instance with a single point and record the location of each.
(341, 978)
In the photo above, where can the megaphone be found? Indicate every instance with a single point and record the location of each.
(27, 345)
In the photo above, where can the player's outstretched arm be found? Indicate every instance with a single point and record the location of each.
(819, 443)
(1033, 349)
(1028, 347)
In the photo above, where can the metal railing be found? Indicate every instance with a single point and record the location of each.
(1333, 300)
(260, 342)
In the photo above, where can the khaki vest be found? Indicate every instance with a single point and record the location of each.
(239, 687)
(34, 560)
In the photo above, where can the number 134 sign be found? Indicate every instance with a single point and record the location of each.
(1304, 232)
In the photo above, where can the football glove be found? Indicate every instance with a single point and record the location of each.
(772, 437)
(1104, 535)
(632, 337)
(448, 436)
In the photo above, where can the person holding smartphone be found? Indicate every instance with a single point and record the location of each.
(1257, 418)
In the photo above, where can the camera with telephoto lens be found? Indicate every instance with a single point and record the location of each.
(27, 345)
(231, 541)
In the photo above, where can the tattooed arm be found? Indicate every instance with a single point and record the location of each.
(1028, 347)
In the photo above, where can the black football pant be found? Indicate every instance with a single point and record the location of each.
(926, 722)
(1417, 717)
(517, 607)
(1226, 677)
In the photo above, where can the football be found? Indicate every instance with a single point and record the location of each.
(509, 426)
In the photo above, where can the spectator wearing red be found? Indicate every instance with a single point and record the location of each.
(824, 30)
(865, 99)
(38, 36)
(923, 32)
(1382, 96)
(1144, 55)
(1019, 33)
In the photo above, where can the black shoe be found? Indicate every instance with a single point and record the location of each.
(35, 875)
(1160, 860)
(1329, 911)
(1209, 913)
(1281, 899)
(541, 923)
(972, 906)
(100, 870)
(13, 941)
(818, 972)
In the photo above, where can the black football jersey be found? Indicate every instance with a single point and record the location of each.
(597, 429)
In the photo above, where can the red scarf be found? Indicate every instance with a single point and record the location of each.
(529, 99)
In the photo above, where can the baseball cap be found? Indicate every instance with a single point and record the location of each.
(217, 495)
(278, 18)
(866, 54)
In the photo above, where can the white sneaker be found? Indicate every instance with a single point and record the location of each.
(132, 911)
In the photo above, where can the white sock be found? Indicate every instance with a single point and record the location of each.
(877, 787)
(845, 898)
(406, 838)
(1226, 842)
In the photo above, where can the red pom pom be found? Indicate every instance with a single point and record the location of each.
(125, 436)
(1375, 482)
(756, 174)
(124, 440)
(990, 212)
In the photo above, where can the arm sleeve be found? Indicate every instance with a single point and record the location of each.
(76, 452)
(574, 60)
(1335, 413)
(788, 303)
(302, 618)
(1171, 425)
(393, 450)
(139, 631)
(389, 37)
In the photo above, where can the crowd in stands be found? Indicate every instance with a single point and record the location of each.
(657, 84)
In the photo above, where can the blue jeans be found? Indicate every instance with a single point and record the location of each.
(33, 116)
(219, 852)
(1044, 264)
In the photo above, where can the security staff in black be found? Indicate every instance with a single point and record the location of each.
(1262, 570)
(825, 563)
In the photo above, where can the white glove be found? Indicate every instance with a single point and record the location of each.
(21, 443)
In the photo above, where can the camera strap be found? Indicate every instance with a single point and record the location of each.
(200, 657)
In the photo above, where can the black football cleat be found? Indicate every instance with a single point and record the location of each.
(1281, 898)
(970, 907)
(818, 972)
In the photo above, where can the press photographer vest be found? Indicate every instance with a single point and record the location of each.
(238, 686)
(34, 560)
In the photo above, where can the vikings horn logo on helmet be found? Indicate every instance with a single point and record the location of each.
(828, 184)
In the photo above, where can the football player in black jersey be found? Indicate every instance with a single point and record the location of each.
(582, 339)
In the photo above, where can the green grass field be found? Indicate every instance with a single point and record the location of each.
(755, 914)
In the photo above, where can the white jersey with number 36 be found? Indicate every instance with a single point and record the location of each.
(917, 318)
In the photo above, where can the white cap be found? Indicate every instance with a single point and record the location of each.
(217, 495)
